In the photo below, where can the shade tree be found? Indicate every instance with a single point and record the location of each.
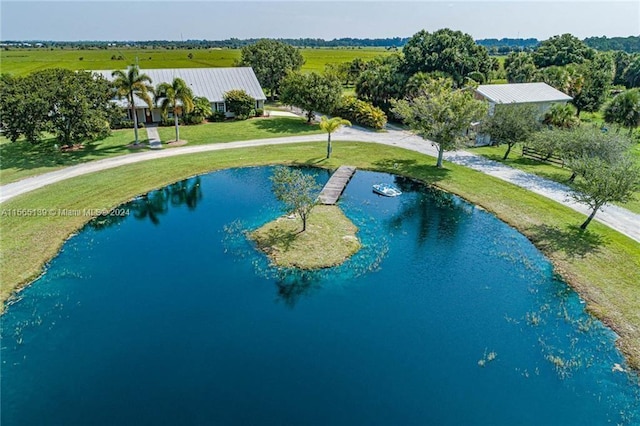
(311, 92)
(453, 52)
(271, 61)
(562, 50)
(512, 124)
(582, 142)
(74, 106)
(441, 114)
(602, 182)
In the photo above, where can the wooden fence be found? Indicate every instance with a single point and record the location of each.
(542, 156)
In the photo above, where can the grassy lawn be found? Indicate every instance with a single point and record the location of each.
(24, 61)
(545, 170)
(228, 131)
(22, 159)
(329, 240)
(603, 265)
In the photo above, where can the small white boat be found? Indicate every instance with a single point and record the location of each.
(386, 189)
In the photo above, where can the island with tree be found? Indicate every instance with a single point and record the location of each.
(310, 235)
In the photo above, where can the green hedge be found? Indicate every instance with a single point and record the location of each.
(361, 112)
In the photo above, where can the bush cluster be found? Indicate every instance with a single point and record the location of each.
(240, 103)
(123, 123)
(361, 112)
(217, 116)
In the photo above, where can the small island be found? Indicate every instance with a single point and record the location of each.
(329, 239)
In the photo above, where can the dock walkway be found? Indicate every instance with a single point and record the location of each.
(336, 185)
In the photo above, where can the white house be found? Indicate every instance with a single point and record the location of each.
(211, 83)
(540, 94)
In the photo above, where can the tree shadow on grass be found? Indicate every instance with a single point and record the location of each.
(572, 241)
(23, 155)
(285, 125)
(411, 168)
(277, 236)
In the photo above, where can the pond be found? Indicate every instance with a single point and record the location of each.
(170, 316)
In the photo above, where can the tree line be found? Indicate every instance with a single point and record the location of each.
(494, 46)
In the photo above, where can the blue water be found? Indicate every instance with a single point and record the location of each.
(169, 316)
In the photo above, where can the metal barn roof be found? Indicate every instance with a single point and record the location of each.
(212, 83)
(520, 93)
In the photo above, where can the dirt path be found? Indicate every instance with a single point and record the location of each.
(622, 220)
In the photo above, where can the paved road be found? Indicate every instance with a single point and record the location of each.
(615, 217)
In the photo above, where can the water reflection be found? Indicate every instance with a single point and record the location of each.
(432, 209)
(155, 204)
(292, 285)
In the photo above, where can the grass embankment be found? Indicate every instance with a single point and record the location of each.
(22, 159)
(602, 264)
(547, 170)
(25, 61)
(329, 240)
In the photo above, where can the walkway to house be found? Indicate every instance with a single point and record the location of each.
(622, 220)
(153, 136)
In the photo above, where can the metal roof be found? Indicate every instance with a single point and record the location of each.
(521, 93)
(212, 83)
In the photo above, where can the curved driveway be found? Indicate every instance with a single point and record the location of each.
(622, 220)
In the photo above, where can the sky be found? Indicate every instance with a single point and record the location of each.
(217, 20)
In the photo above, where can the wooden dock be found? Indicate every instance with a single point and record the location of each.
(336, 185)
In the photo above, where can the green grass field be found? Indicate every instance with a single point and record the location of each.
(601, 264)
(22, 159)
(24, 61)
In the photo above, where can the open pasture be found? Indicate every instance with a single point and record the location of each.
(25, 61)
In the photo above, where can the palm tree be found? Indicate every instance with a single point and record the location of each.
(561, 115)
(131, 83)
(174, 96)
(331, 126)
(624, 109)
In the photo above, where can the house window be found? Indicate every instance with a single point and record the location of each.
(220, 106)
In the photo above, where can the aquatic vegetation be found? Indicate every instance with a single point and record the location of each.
(487, 357)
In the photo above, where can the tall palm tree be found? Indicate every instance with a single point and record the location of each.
(176, 95)
(131, 83)
(330, 126)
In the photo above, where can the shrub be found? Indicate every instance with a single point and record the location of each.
(217, 116)
(240, 103)
(124, 123)
(361, 112)
(259, 112)
(201, 109)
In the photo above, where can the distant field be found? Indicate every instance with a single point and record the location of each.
(20, 62)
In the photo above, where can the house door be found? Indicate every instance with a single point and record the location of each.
(148, 116)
